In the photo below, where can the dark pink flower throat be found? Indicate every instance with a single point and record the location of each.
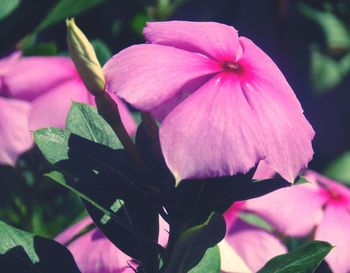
(229, 66)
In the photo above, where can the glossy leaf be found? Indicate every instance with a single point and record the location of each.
(21, 251)
(304, 259)
(83, 120)
(192, 244)
(210, 262)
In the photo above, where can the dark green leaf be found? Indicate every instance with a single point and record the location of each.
(142, 245)
(7, 7)
(41, 49)
(192, 244)
(210, 262)
(304, 259)
(21, 251)
(64, 9)
(216, 194)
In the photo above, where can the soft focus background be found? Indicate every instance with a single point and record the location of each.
(309, 40)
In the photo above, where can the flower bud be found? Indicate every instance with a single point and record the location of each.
(84, 58)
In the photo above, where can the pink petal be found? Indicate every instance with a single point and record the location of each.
(334, 229)
(14, 132)
(263, 171)
(163, 232)
(261, 69)
(287, 150)
(254, 245)
(148, 75)
(230, 261)
(70, 232)
(336, 191)
(286, 132)
(51, 109)
(93, 252)
(216, 40)
(293, 211)
(30, 77)
(212, 133)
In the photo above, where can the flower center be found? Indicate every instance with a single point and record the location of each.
(229, 66)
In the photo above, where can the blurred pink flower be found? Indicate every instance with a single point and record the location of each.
(246, 248)
(37, 92)
(94, 253)
(321, 207)
(223, 103)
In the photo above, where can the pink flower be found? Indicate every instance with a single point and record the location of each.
(94, 253)
(321, 206)
(223, 103)
(37, 92)
(246, 248)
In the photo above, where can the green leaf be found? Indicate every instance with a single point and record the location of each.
(41, 49)
(335, 31)
(64, 9)
(339, 169)
(83, 120)
(192, 244)
(326, 73)
(102, 51)
(7, 7)
(53, 143)
(304, 259)
(210, 263)
(21, 251)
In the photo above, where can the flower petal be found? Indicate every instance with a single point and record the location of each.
(231, 262)
(94, 253)
(287, 133)
(72, 231)
(30, 77)
(334, 229)
(216, 40)
(14, 132)
(332, 187)
(287, 150)
(293, 211)
(212, 133)
(254, 245)
(51, 109)
(260, 68)
(147, 75)
(263, 171)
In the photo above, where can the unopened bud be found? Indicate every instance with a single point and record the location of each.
(84, 58)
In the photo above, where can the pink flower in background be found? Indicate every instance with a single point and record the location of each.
(321, 206)
(37, 92)
(246, 248)
(94, 253)
(223, 103)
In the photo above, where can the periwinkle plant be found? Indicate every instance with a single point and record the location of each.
(223, 107)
